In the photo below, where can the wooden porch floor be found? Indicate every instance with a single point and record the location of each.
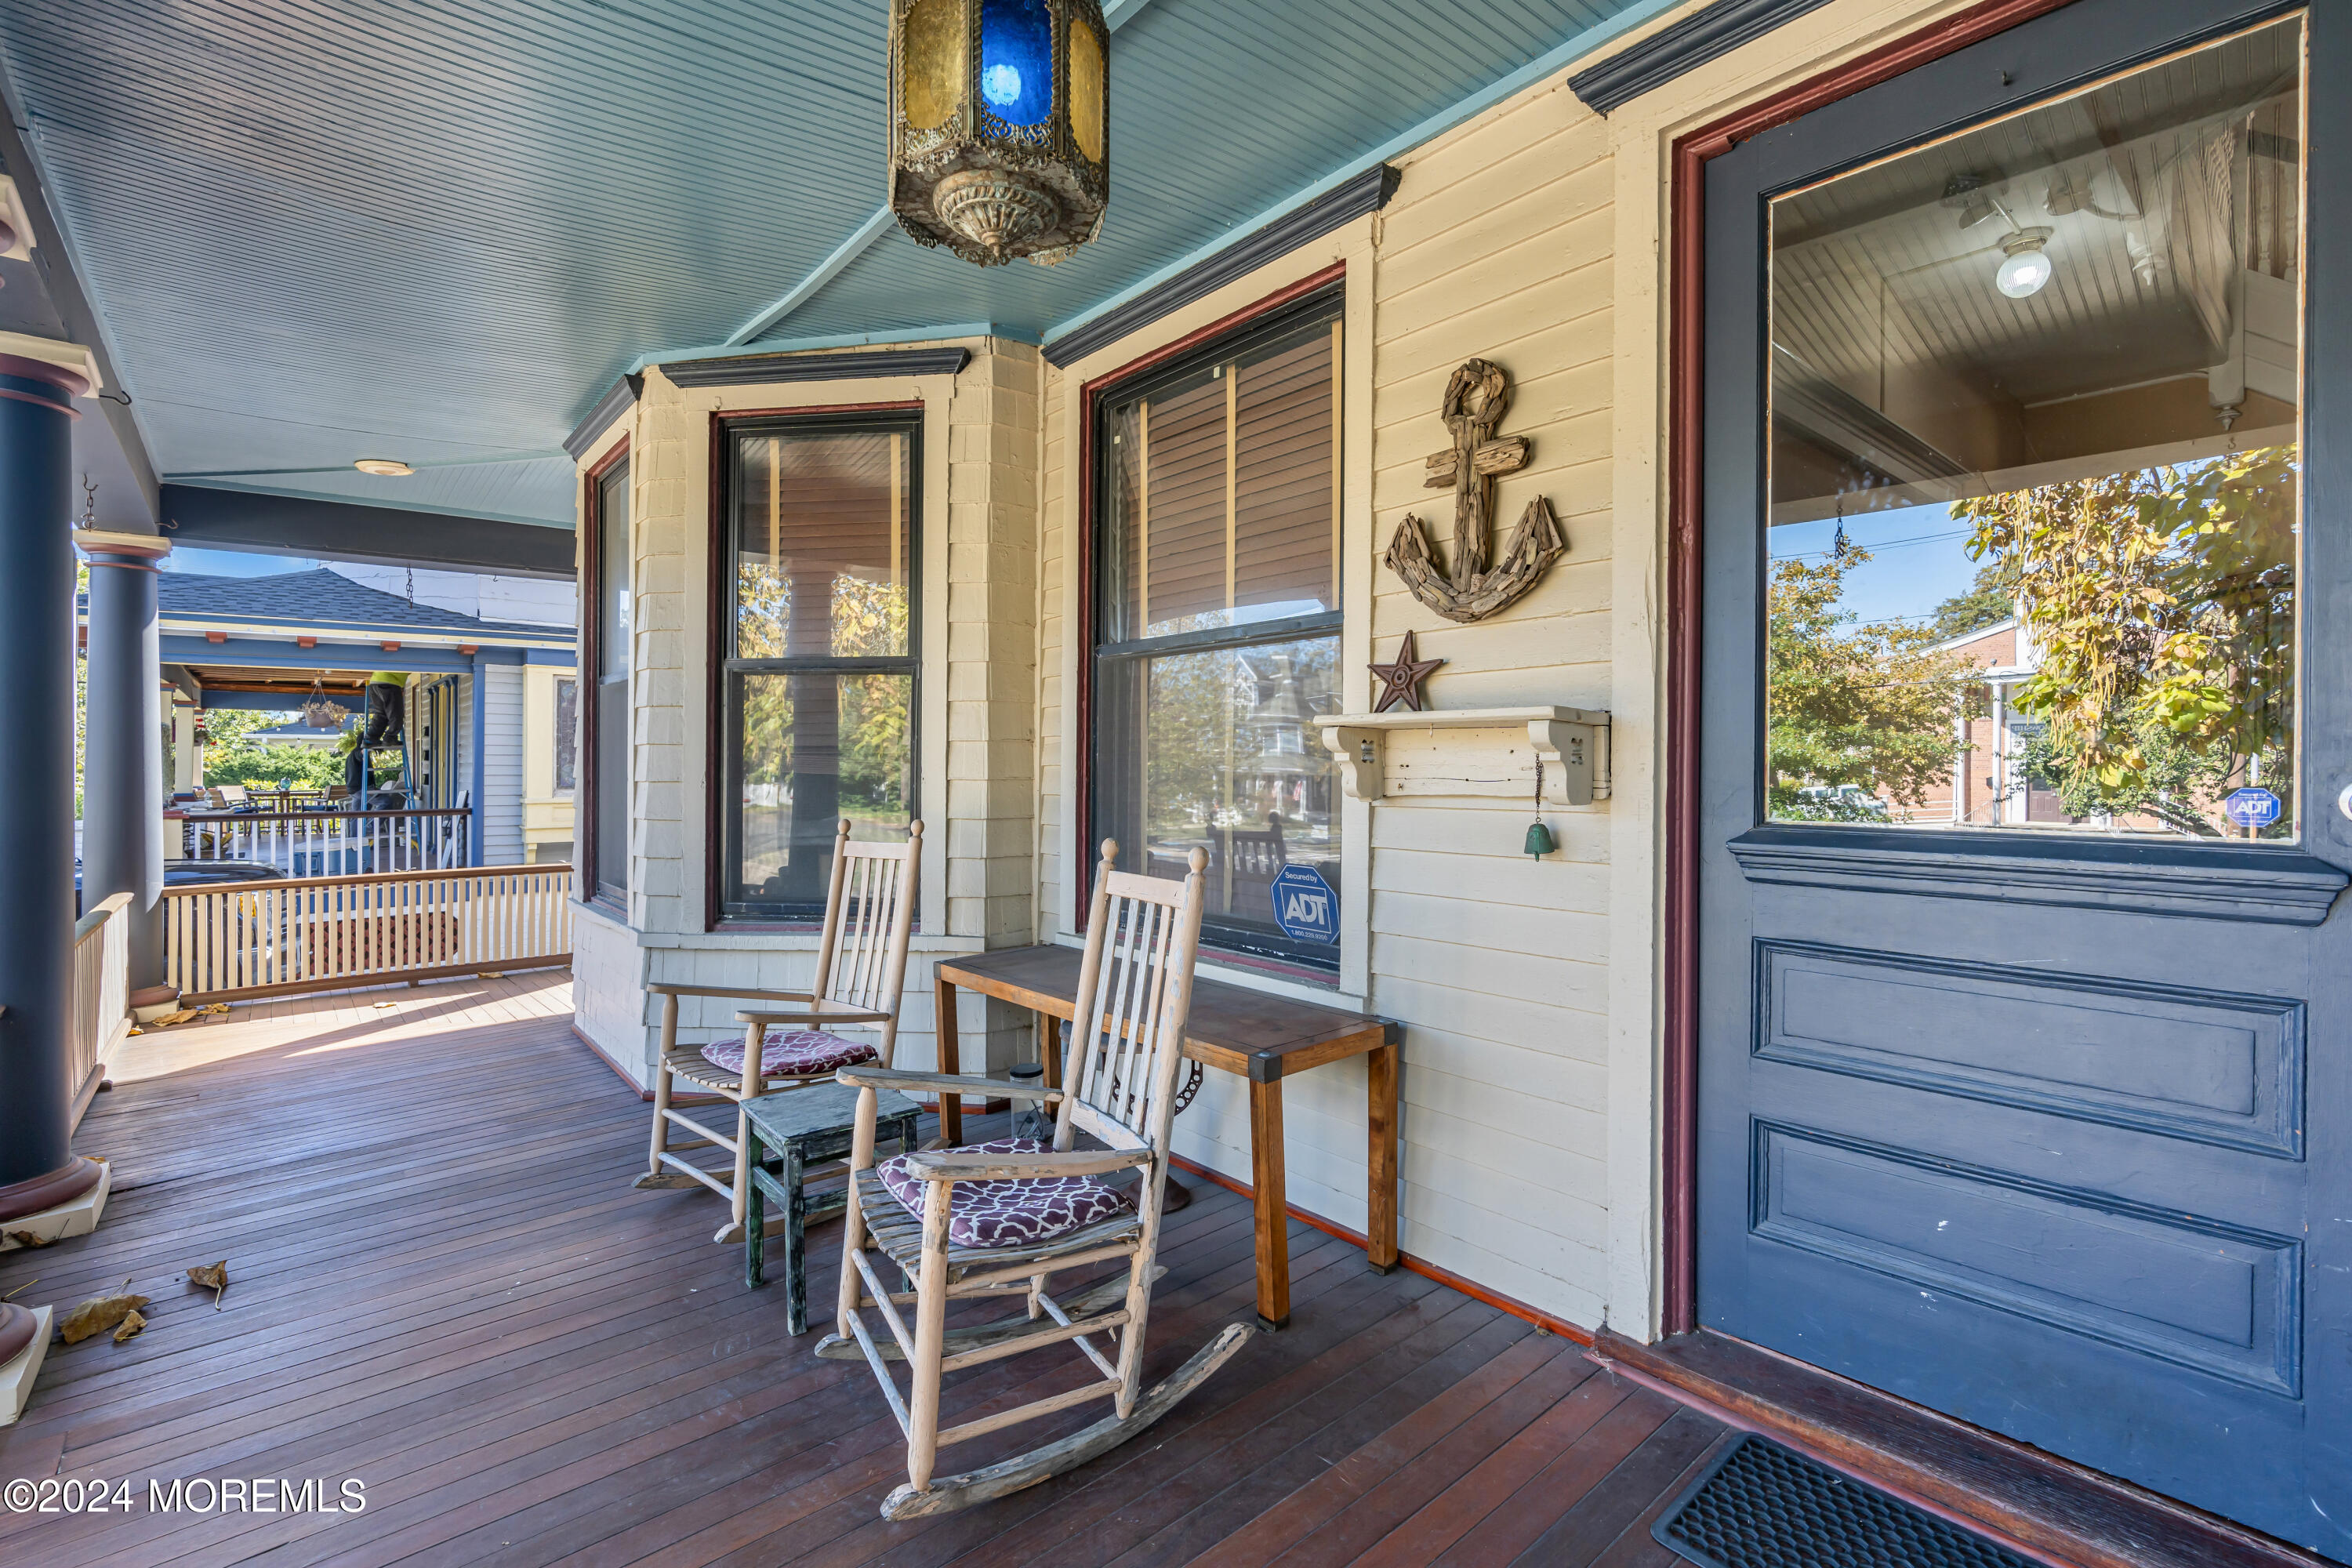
(442, 1287)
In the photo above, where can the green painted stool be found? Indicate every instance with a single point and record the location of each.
(806, 1128)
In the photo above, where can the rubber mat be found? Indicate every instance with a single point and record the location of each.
(1764, 1506)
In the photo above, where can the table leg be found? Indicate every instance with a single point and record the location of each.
(795, 1244)
(950, 1105)
(754, 1210)
(1271, 1202)
(1049, 1049)
(1380, 1161)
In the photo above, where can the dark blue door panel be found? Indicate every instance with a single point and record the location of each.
(2075, 1166)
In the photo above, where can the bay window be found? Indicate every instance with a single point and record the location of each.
(817, 667)
(604, 810)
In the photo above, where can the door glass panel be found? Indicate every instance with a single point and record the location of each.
(2035, 492)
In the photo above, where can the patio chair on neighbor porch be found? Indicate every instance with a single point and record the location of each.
(861, 968)
(1001, 1218)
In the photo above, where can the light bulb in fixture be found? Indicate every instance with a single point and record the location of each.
(384, 467)
(2025, 265)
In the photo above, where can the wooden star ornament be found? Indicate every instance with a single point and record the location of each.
(1401, 681)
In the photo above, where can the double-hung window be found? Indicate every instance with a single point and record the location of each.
(818, 659)
(1217, 629)
(606, 831)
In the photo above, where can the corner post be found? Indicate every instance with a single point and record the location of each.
(122, 750)
(38, 1168)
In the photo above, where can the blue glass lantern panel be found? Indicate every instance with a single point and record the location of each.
(1016, 60)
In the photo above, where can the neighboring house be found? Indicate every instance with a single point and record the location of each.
(488, 685)
(1990, 784)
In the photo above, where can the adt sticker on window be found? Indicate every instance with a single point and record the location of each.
(1305, 907)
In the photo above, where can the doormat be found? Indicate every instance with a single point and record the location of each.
(1764, 1506)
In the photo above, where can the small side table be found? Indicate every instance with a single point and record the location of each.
(807, 1127)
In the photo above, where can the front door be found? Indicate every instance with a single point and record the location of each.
(2026, 996)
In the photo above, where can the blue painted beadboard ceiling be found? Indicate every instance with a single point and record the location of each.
(323, 231)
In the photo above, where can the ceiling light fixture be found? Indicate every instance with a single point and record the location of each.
(997, 133)
(384, 467)
(2024, 265)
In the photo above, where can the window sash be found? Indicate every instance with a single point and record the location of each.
(731, 536)
(605, 690)
(1245, 433)
(1123, 799)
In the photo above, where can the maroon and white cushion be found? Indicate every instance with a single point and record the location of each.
(1011, 1213)
(792, 1051)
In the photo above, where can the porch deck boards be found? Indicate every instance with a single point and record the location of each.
(442, 1285)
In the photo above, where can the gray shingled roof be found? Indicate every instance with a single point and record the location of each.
(320, 598)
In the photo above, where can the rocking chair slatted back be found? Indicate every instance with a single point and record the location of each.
(1134, 990)
(868, 922)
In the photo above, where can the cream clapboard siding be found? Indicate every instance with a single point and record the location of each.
(1497, 243)
(976, 709)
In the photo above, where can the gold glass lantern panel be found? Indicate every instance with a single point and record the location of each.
(1086, 92)
(931, 63)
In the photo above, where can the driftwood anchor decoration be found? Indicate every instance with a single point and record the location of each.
(1476, 399)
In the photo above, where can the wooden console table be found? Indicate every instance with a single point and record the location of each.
(1247, 1033)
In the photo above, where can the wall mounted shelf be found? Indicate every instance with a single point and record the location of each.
(1489, 751)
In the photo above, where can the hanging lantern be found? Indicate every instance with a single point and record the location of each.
(997, 125)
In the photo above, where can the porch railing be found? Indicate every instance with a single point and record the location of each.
(332, 843)
(101, 994)
(229, 940)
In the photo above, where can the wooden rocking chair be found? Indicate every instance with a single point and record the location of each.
(861, 968)
(1000, 1219)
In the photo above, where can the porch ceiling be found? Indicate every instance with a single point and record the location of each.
(317, 233)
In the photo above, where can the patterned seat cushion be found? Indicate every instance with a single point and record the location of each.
(1010, 1214)
(792, 1051)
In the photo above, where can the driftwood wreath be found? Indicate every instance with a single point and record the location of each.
(1476, 400)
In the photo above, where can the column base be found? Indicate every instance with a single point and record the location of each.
(27, 1329)
(153, 1002)
(76, 1216)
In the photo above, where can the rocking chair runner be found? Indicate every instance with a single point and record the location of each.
(861, 968)
(1000, 1219)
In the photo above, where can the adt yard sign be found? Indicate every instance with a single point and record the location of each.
(1305, 907)
(2252, 808)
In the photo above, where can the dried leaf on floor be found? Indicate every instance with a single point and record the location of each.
(31, 1238)
(132, 1323)
(99, 1314)
(215, 1007)
(213, 1276)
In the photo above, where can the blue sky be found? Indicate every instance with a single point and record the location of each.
(232, 563)
(1918, 559)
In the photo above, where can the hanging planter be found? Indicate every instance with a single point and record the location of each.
(998, 114)
(319, 713)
